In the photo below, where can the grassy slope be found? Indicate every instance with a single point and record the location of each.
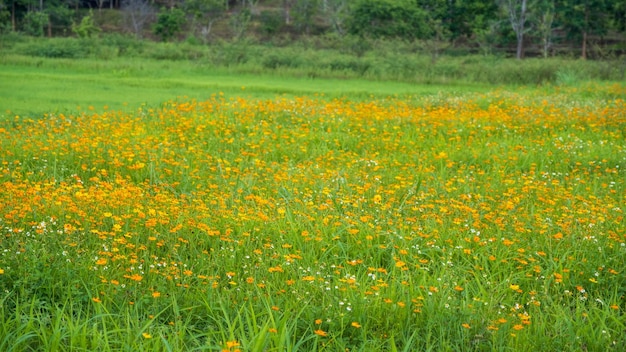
(32, 86)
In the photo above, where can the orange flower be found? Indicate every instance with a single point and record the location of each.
(321, 332)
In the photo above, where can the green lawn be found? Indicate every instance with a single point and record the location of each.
(31, 86)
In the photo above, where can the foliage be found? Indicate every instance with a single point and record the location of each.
(137, 14)
(204, 13)
(87, 28)
(271, 22)
(388, 19)
(169, 23)
(34, 23)
(547, 27)
(69, 48)
(304, 14)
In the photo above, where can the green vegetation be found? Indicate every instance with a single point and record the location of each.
(520, 28)
(300, 176)
(472, 222)
(115, 71)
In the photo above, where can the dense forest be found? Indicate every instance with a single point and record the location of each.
(522, 28)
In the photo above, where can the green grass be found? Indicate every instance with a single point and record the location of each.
(32, 86)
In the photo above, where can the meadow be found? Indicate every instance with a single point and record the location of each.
(289, 219)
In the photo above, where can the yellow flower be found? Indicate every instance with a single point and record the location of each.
(356, 324)
(146, 335)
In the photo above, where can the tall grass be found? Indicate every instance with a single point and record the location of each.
(329, 58)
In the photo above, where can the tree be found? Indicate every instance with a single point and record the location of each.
(335, 12)
(169, 22)
(5, 17)
(388, 19)
(582, 18)
(137, 13)
(86, 28)
(34, 23)
(305, 11)
(544, 19)
(204, 13)
(517, 12)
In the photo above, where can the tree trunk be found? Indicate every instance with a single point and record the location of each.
(287, 9)
(584, 50)
(520, 45)
(520, 33)
(13, 16)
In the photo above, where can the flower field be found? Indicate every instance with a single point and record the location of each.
(488, 222)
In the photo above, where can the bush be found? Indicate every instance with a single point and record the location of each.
(67, 48)
(271, 22)
(169, 23)
(388, 19)
(172, 51)
(86, 28)
(126, 45)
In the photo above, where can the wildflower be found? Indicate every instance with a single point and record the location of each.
(1, 271)
(466, 325)
(518, 327)
(96, 300)
(318, 321)
(231, 344)
(134, 277)
(146, 335)
(156, 294)
(321, 332)
(356, 324)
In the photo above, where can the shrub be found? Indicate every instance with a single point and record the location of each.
(169, 23)
(56, 48)
(87, 27)
(271, 22)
